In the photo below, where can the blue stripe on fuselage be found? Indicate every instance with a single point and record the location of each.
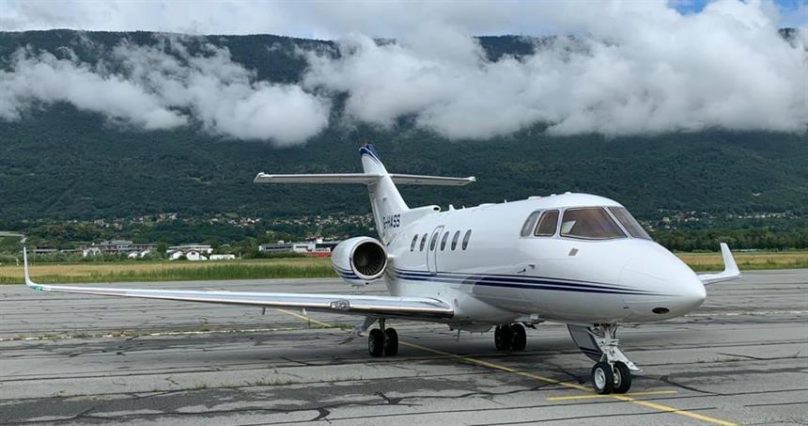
(522, 282)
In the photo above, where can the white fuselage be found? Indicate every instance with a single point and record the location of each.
(501, 276)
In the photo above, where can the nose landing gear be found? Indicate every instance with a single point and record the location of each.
(510, 337)
(612, 371)
(383, 341)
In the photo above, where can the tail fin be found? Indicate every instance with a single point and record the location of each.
(388, 206)
(385, 200)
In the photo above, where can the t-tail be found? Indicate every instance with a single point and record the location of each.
(390, 212)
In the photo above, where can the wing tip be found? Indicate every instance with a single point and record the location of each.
(26, 272)
(730, 266)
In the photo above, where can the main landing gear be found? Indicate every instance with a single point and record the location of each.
(612, 371)
(383, 341)
(510, 337)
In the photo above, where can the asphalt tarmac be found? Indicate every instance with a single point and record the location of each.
(742, 358)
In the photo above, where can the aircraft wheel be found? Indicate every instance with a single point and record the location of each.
(518, 337)
(502, 337)
(376, 342)
(603, 378)
(622, 377)
(390, 342)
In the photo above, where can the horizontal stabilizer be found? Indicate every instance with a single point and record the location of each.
(318, 178)
(730, 271)
(432, 180)
(364, 178)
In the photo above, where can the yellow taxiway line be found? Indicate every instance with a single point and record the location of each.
(624, 397)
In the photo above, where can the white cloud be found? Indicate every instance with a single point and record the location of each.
(630, 68)
(642, 68)
(46, 79)
(158, 90)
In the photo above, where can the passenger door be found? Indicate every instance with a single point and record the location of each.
(432, 250)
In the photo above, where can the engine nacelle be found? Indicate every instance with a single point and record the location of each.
(359, 260)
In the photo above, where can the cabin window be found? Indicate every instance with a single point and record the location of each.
(434, 241)
(547, 224)
(466, 239)
(528, 225)
(423, 242)
(629, 223)
(454, 239)
(591, 223)
(414, 241)
(443, 241)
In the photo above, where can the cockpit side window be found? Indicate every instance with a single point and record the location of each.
(629, 223)
(547, 224)
(591, 223)
(529, 224)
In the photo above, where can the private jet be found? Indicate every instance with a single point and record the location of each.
(578, 259)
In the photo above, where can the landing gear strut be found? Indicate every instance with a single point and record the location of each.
(383, 341)
(510, 337)
(612, 372)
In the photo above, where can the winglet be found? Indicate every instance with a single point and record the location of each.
(729, 261)
(730, 271)
(28, 281)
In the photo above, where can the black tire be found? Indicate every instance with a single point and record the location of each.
(602, 378)
(502, 337)
(390, 342)
(375, 343)
(622, 377)
(518, 337)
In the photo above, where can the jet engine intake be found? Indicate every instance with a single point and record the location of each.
(359, 260)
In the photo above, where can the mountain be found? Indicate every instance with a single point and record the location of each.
(59, 162)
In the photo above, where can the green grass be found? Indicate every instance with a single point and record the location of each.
(214, 272)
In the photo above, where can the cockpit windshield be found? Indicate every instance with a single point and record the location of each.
(629, 223)
(592, 223)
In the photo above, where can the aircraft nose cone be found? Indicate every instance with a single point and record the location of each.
(672, 288)
(691, 293)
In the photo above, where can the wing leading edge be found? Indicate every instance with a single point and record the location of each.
(386, 306)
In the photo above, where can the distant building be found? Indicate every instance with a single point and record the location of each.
(222, 257)
(202, 248)
(193, 252)
(316, 247)
(114, 247)
(45, 250)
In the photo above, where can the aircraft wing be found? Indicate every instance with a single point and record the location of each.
(363, 178)
(730, 271)
(386, 306)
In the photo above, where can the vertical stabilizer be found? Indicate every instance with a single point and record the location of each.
(385, 199)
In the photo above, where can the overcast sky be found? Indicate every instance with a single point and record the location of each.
(330, 19)
(635, 66)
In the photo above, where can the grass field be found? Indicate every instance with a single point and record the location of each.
(305, 268)
(748, 260)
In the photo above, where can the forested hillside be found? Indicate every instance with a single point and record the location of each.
(59, 162)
